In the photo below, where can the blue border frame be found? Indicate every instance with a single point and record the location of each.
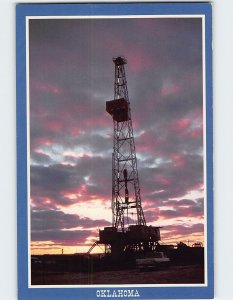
(23, 10)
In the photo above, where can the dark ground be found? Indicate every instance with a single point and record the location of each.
(173, 275)
(186, 267)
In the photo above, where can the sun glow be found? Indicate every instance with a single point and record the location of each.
(66, 250)
(91, 209)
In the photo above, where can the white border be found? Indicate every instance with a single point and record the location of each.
(28, 150)
(204, 147)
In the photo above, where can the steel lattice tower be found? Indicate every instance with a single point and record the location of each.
(129, 232)
(126, 198)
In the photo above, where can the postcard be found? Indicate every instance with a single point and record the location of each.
(114, 151)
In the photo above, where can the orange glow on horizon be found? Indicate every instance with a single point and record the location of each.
(66, 250)
(48, 247)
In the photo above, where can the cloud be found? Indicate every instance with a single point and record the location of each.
(60, 237)
(54, 219)
(174, 209)
(184, 230)
(40, 158)
(55, 225)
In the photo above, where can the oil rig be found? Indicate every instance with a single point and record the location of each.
(129, 231)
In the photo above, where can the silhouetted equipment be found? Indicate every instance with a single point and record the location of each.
(129, 231)
(197, 244)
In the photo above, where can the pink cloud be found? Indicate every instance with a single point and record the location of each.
(178, 160)
(138, 61)
(180, 125)
(191, 126)
(42, 140)
(54, 125)
(163, 180)
(183, 123)
(42, 202)
(45, 87)
(170, 89)
(74, 131)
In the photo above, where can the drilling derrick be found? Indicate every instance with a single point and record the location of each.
(126, 199)
(129, 230)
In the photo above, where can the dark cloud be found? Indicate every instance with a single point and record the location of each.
(54, 224)
(40, 158)
(47, 220)
(184, 229)
(61, 237)
(180, 212)
(56, 177)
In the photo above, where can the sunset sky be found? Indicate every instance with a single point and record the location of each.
(71, 77)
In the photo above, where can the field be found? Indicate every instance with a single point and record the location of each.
(187, 274)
